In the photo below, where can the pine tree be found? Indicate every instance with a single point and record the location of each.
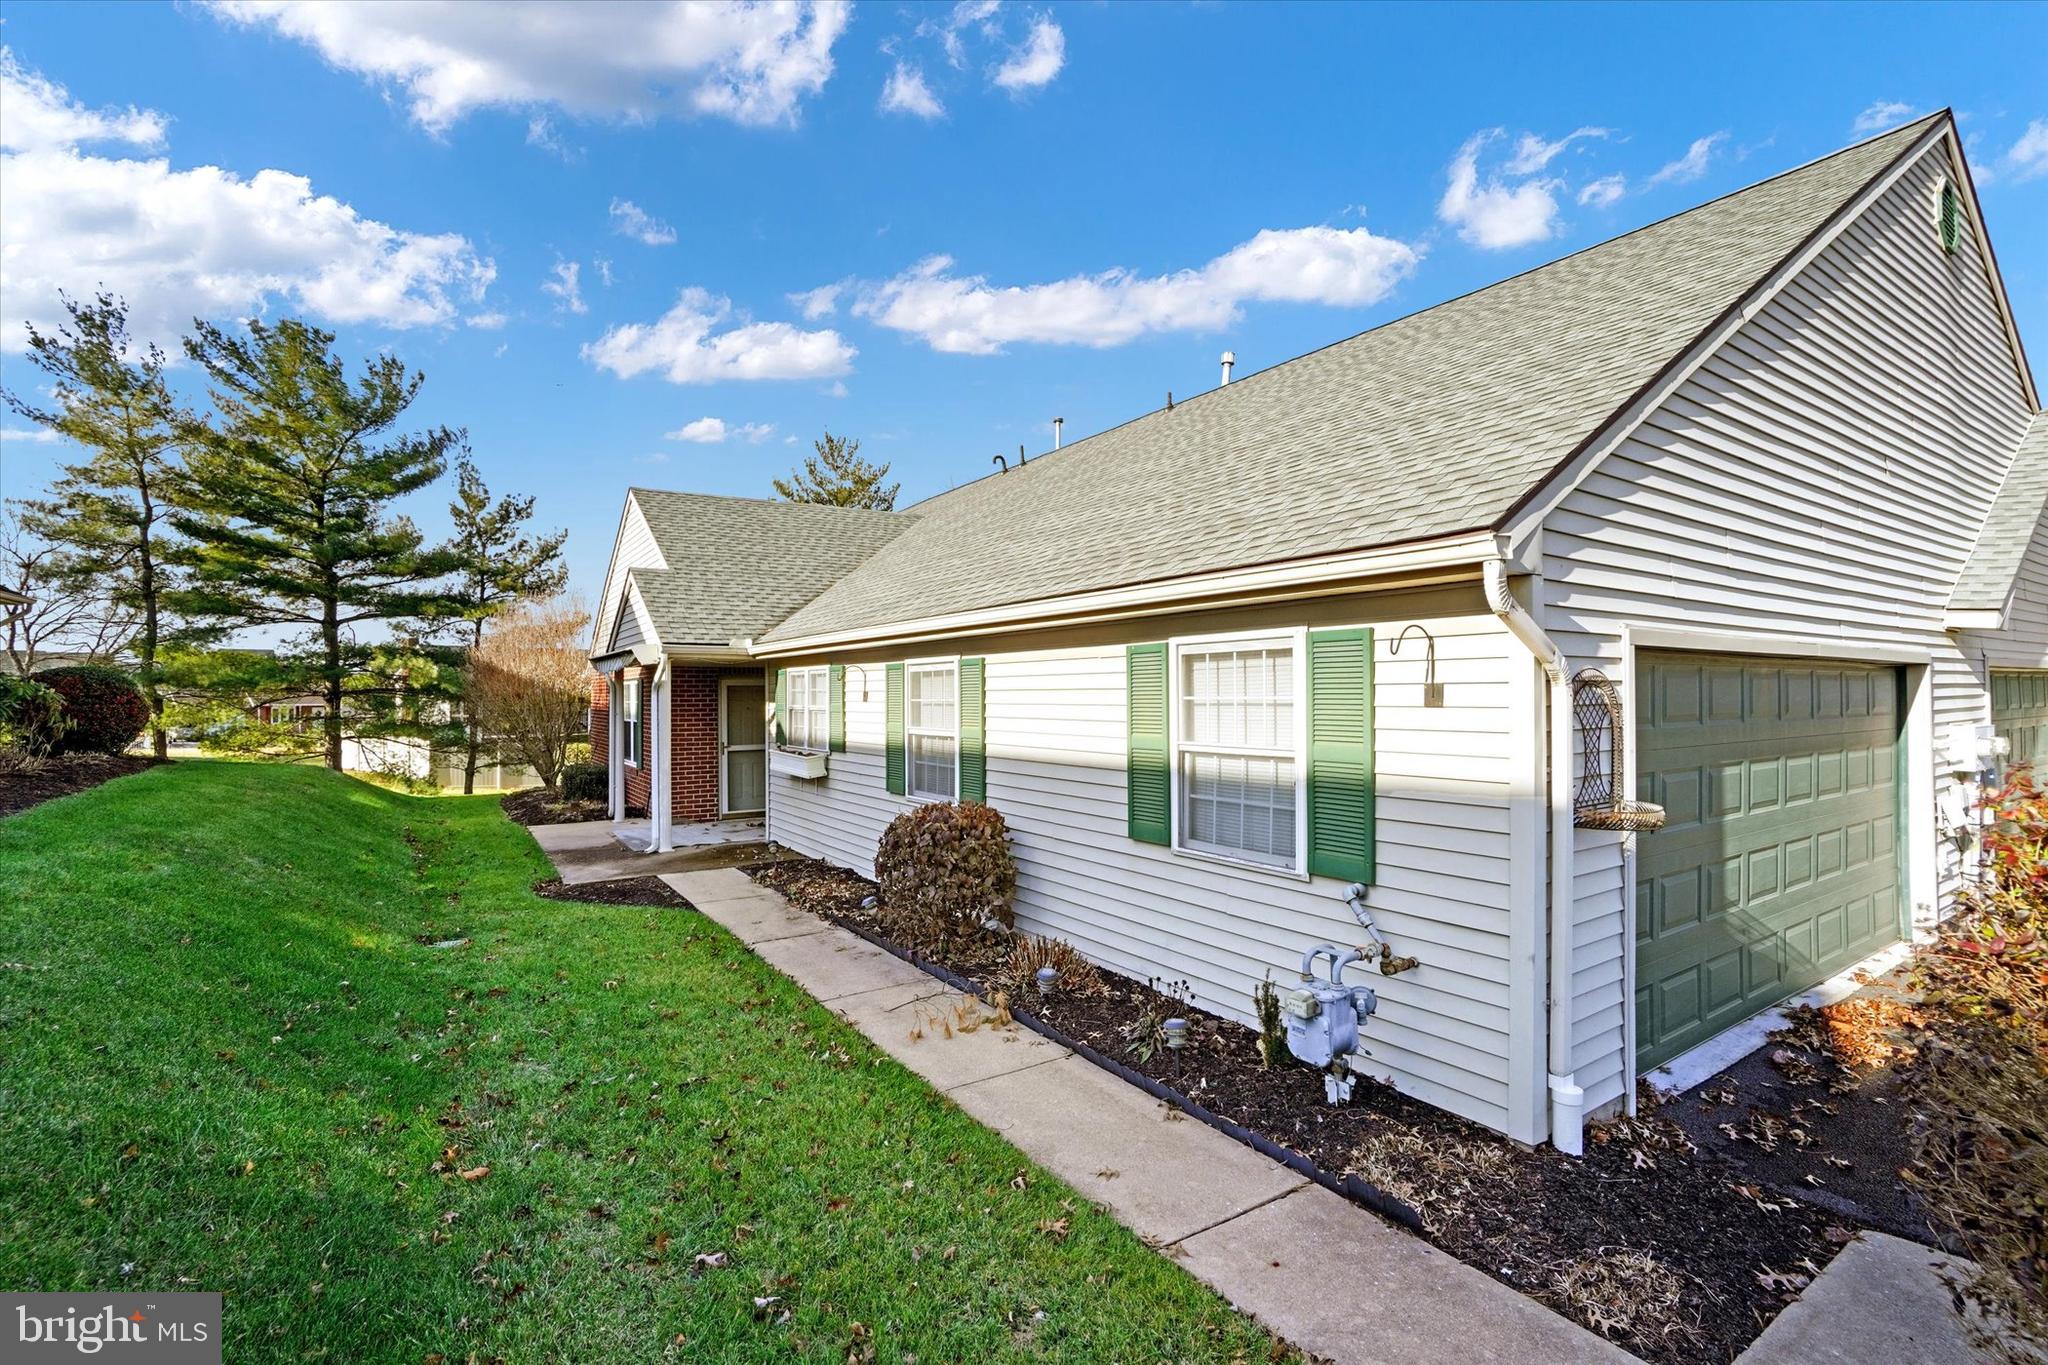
(496, 564)
(109, 513)
(292, 487)
(838, 477)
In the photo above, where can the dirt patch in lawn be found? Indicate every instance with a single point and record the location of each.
(1665, 1248)
(536, 807)
(51, 778)
(625, 891)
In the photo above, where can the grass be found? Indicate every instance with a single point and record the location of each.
(229, 1060)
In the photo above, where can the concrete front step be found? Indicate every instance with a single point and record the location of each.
(1882, 1298)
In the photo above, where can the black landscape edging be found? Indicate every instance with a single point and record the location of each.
(1348, 1186)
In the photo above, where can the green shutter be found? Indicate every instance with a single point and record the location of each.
(893, 766)
(973, 727)
(836, 700)
(1146, 786)
(781, 704)
(1950, 227)
(1340, 763)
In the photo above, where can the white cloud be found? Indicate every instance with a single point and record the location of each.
(203, 242)
(1035, 61)
(565, 288)
(630, 220)
(967, 314)
(704, 431)
(1882, 114)
(907, 93)
(1693, 164)
(486, 322)
(713, 431)
(541, 132)
(965, 14)
(1605, 191)
(33, 435)
(37, 114)
(1532, 153)
(753, 64)
(2029, 156)
(821, 302)
(604, 270)
(1495, 215)
(837, 389)
(686, 346)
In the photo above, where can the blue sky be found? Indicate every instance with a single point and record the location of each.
(933, 228)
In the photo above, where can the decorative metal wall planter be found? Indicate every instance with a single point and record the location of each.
(1598, 803)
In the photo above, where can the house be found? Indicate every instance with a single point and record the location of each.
(1732, 524)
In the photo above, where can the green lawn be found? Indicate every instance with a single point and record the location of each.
(228, 1061)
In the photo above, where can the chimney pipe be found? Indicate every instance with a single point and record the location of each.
(1229, 359)
(1056, 423)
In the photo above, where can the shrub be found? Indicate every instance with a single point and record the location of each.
(32, 717)
(945, 869)
(583, 782)
(1077, 975)
(105, 708)
(1981, 1076)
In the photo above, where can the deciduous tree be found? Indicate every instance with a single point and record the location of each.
(530, 683)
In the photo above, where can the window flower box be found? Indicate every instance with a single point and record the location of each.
(804, 763)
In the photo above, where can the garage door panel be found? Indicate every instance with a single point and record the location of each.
(1778, 866)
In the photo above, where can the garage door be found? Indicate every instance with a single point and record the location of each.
(1779, 862)
(2019, 711)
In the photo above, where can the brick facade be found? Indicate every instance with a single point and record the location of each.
(693, 739)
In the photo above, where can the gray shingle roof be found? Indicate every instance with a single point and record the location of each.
(736, 566)
(1433, 424)
(1986, 582)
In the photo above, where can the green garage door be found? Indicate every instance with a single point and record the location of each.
(2019, 711)
(1779, 862)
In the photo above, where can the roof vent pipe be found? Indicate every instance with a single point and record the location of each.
(1229, 359)
(1057, 422)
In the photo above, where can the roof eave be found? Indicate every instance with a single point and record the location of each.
(1441, 558)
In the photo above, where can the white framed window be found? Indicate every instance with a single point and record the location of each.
(809, 722)
(1239, 740)
(931, 727)
(629, 722)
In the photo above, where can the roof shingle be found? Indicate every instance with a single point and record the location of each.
(1986, 582)
(1430, 425)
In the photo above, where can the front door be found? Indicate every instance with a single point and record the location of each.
(742, 747)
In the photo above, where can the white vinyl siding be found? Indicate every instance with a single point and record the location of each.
(1821, 477)
(1449, 790)
(931, 730)
(809, 722)
(635, 549)
(1237, 744)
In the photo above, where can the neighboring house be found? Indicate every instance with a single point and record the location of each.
(1774, 467)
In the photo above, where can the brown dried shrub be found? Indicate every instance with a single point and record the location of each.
(945, 870)
(1077, 975)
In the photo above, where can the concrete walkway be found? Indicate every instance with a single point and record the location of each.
(1882, 1298)
(1319, 1271)
(592, 851)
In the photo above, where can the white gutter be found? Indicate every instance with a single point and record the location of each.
(1450, 555)
(1567, 1099)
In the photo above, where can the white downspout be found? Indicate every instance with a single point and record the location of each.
(1567, 1099)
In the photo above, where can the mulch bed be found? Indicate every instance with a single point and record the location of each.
(1666, 1249)
(55, 777)
(535, 807)
(1823, 1112)
(624, 891)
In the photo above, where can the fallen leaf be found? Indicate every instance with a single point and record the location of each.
(709, 1260)
(476, 1173)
